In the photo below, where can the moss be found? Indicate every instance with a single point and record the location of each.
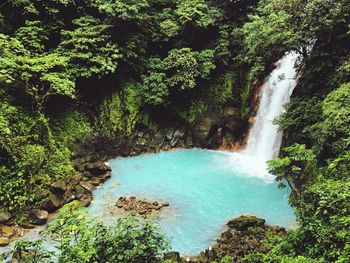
(70, 127)
(196, 108)
(221, 91)
(120, 113)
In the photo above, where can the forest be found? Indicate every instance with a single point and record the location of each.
(77, 76)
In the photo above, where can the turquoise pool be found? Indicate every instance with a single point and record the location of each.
(204, 188)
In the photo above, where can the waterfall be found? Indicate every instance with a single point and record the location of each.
(264, 139)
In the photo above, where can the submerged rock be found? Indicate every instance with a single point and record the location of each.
(4, 217)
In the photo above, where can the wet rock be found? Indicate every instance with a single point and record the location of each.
(203, 126)
(251, 120)
(59, 187)
(7, 231)
(139, 207)
(4, 217)
(172, 255)
(87, 186)
(79, 191)
(244, 222)
(105, 177)
(227, 235)
(53, 203)
(97, 168)
(86, 200)
(211, 253)
(4, 241)
(38, 216)
(169, 134)
(95, 181)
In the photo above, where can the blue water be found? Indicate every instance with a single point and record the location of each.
(205, 189)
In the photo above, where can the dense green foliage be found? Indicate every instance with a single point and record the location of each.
(70, 70)
(80, 238)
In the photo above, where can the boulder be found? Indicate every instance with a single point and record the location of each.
(7, 231)
(211, 253)
(79, 191)
(169, 134)
(4, 241)
(87, 174)
(97, 168)
(86, 200)
(245, 221)
(172, 255)
(227, 235)
(59, 187)
(53, 202)
(87, 186)
(38, 216)
(4, 217)
(105, 177)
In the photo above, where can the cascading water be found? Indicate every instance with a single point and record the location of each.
(264, 139)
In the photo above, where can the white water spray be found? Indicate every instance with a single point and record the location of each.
(264, 139)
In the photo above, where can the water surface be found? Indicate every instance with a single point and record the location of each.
(204, 188)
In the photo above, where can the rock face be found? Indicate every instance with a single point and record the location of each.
(139, 207)
(4, 217)
(38, 216)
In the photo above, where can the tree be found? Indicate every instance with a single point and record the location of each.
(89, 48)
(154, 88)
(184, 67)
(126, 10)
(38, 75)
(297, 167)
(198, 12)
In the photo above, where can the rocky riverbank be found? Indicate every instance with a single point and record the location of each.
(245, 234)
(79, 186)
